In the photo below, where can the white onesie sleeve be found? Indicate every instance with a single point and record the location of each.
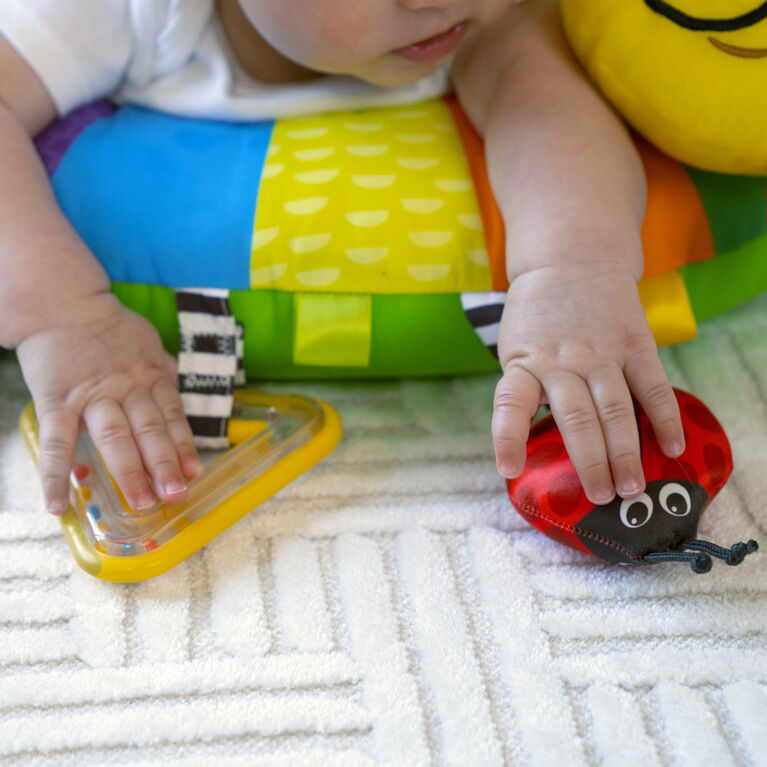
(80, 50)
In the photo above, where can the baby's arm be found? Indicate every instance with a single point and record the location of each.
(88, 361)
(571, 190)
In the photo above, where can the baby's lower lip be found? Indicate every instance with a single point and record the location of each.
(434, 48)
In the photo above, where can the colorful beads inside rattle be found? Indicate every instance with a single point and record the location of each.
(99, 526)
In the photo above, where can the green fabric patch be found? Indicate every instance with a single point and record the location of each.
(736, 207)
(730, 279)
(332, 329)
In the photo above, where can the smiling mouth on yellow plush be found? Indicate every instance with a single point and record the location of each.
(736, 50)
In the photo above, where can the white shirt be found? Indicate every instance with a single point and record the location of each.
(170, 55)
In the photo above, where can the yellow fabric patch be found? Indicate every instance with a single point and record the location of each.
(378, 201)
(667, 307)
(332, 329)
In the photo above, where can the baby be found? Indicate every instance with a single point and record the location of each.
(564, 172)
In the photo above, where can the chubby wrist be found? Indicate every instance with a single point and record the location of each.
(613, 251)
(568, 276)
(23, 318)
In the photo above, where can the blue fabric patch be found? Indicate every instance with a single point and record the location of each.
(164, 200)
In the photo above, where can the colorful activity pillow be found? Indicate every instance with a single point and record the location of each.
(357, 244)
(688, 74)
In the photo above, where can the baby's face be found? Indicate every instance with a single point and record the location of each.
(387, 42)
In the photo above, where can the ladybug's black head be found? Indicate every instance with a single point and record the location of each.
(657, 526)
(662, 517)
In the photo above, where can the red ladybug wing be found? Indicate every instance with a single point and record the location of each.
(707, 458)
(549, 494)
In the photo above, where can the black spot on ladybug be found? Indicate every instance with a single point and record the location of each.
(559, 535)
(716, 463)
(679, 469)
(544, 454)
(702, 417)
(564, 494)
(525, 500)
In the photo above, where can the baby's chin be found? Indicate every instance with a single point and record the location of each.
(397, 73)
(387, 71)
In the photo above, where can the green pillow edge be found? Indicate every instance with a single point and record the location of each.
(419, 335)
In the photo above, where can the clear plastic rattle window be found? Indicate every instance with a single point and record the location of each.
(264, 429)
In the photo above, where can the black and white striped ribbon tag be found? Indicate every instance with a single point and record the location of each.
(209, 362)
(483, 311)
(239, 353)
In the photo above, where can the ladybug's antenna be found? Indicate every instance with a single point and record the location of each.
(699, 563)
(702, 551)
(732, 556)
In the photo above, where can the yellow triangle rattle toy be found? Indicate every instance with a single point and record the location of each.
(274, 439)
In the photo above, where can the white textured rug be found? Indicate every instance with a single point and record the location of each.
(390, 608)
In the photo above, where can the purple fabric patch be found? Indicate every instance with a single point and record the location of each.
(53, 142)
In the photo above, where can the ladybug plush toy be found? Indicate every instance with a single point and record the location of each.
(658, 526)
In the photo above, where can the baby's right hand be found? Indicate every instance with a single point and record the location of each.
(575, 335)
(103, 369)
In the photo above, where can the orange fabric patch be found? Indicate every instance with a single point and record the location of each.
(492, 222)
(675, 229)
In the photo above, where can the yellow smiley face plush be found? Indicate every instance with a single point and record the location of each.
(690, 75)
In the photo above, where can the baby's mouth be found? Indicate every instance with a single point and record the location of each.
(736, 50)
(434, 48)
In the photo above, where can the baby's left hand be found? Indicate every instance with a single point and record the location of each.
(576, 336)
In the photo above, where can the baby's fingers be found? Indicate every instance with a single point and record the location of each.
(651, 387)
(58, 433)
(169, 401)
(573, 409)
(157, 450)
(111, 434)
(619, 426)
(517, 396)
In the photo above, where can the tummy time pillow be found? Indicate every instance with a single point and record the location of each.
(355, 244)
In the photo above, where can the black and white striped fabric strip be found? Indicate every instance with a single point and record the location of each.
(212, 301)
(239, 351)
(483, 311)
(207, 362)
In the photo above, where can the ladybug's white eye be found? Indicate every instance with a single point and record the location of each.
(675, 499)
(636, 512)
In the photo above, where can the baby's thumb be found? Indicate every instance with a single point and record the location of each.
(58, 433)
